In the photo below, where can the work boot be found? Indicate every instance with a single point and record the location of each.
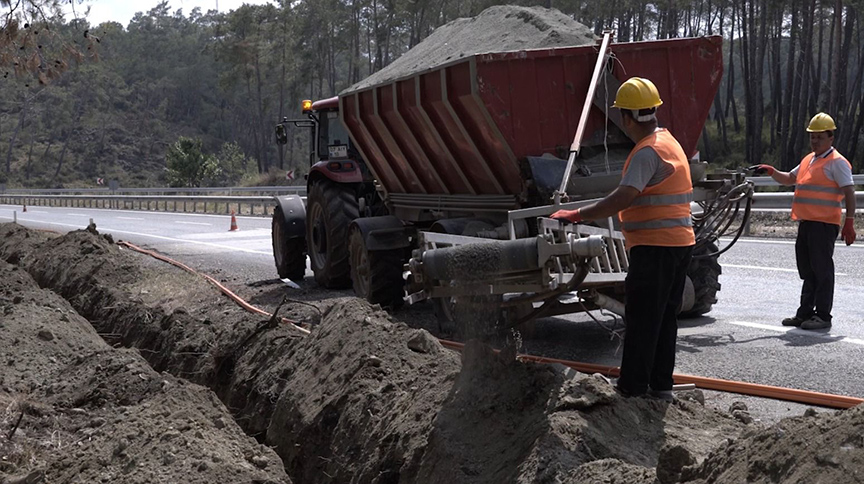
(626, 394)
(793, 321)
(816, 323)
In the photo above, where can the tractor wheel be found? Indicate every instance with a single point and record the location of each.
(288, 252)
(704, 273)
(376, 275)
(330, 209)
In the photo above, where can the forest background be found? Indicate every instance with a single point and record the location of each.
(79, 103)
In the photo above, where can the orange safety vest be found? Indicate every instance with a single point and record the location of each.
(817, 197)
(660, 215)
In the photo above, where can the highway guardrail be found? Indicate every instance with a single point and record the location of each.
(241, 205)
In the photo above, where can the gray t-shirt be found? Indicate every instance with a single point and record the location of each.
(836, 170)
(646, 170)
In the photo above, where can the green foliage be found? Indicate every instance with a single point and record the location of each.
(230, 166)
(224, 79)
(187, 164)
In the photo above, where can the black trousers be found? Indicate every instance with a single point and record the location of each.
(814, 253)
(654, 285)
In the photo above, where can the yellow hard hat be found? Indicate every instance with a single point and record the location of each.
(821, 122)
(637, 93)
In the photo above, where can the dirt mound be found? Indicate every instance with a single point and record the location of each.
(508, 421)
(361, 399)
(497, 29)
(826, 448)
(364, 392)
(76, 410)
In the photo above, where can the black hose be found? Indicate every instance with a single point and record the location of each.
(719, 214)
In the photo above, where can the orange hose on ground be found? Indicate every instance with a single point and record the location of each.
(245, 305)
(742, 388)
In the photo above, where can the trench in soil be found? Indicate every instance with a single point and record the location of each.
(366, 399)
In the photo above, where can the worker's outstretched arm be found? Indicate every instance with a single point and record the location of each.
(620, 198)
(781, 177)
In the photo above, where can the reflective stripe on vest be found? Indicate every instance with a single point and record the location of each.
(658, 224)
(660, 215)
(817, 197)
(664, 199)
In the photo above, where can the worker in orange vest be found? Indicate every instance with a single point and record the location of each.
(653, 204)
(822, 181)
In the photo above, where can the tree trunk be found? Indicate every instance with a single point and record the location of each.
(730, 80)
(843, 62)
(21, 118)
(826, 96)
(355, 72)
(805, 92)
(839, 71)
(60, 160)
(254, 132)
(29, 167)
(786, 107)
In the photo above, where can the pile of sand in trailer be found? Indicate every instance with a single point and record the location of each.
(497, 29)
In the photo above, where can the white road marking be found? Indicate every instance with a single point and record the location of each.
(129, 218)
(160, 237)
(78, 214)
(800, 332)
(737, 266)
(191, 223)
(259, 233)
(838, 243)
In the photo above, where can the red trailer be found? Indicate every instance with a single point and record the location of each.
(462, 128)
(470, 152)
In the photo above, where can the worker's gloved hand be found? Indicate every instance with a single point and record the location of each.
(573, 216)
(848, 232)
(762, 169)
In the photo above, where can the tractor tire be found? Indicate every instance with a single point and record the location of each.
(330, 209)
(376, 275)
(289, 253)
(705, 275)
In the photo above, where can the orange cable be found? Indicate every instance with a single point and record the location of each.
(240, 301)
(742, 388)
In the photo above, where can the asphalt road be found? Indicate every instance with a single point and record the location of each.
(740, 339)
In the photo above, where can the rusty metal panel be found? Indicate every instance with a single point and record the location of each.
(547, 87)
(462, 128)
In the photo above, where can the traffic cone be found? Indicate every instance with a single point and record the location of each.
(233, 222)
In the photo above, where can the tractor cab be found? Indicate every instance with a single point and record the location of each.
(332, 153)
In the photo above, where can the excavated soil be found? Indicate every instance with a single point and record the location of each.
(500, 28)
(361, 399)
(74, 409)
